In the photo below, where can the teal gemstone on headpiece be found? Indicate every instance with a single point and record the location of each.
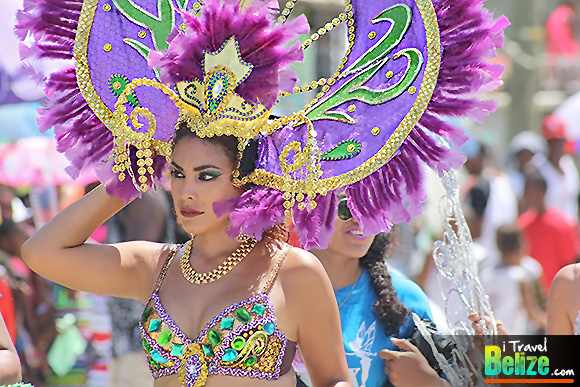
(259, 309)
(157, 357)
(207, 350)
(177, 349)
(238, 343)
(165, 337)
(230, 355)
(214, 336)
(250, 360)
(154, 325)
(269, 328)
(243, 315)
(227, 323)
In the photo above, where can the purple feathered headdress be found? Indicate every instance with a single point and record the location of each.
(410, 65)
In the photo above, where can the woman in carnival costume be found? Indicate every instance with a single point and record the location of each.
(201, 110)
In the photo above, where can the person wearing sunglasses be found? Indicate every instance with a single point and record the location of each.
(376, 306)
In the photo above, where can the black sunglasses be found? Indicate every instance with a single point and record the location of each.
(343, 211)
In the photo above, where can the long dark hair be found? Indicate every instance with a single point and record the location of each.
(388, 308)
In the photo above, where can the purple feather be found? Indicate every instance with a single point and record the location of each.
(262, 43)
(316, 226)
(253, 212)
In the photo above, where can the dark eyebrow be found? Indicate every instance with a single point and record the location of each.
(196, 169)
(202, 167)
(176, 166)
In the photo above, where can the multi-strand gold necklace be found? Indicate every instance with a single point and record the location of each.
(189, 273)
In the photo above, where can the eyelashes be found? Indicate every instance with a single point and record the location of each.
(203, 176)
(177, 173)
(209, 176)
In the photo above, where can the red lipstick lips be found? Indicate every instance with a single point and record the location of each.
(189, 212)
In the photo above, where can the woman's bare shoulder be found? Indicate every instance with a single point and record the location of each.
(302, 272)
(568, 275)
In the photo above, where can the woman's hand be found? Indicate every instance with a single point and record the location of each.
(409, 367)
(477, 320)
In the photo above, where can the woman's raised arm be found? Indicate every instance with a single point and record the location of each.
(59, 252)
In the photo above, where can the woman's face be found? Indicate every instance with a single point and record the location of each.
(200, 176)
(347, 239)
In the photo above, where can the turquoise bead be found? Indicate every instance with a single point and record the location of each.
(259, 309)
(154, 325)
(230, 355)
(177, 350)
(269, 328)
(227, 323)
(207, 350)
(156, 356)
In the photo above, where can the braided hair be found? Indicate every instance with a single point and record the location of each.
(388, 308)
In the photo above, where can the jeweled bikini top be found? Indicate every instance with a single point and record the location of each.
(242, 340)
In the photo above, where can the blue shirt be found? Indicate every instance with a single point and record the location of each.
(363, 335)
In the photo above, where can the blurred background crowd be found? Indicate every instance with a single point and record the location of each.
(520, 190)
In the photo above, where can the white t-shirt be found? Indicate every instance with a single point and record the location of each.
(503, 286)
(563, 188)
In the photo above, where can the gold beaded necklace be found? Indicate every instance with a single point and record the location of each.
(189, 273)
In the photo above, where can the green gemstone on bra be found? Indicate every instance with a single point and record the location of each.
(177, 350)
(243, 315)
(154, 325)
(146, 314)
(227, 323)
(230, 355)
(207, 350)
(214, 336)
(146, 346)
(238, 343)
(165, 337)
(251, 360)
(259, 309)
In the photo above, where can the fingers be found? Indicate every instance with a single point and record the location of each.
(404, 344)
(478, 322)
(387, 354)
